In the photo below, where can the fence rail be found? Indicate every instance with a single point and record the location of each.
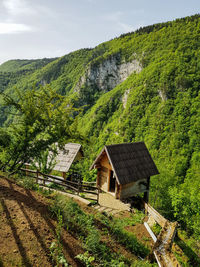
(75, 187)
(156, 215)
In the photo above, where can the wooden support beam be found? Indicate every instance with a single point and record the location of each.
(146, 194)
(108, 180)
(64, 175)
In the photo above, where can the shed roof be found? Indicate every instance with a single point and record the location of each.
(130, 161)
(66, 156)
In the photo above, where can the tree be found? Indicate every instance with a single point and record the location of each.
(42, 117)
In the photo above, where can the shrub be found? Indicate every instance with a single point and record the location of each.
(29, 183)
(86, 258)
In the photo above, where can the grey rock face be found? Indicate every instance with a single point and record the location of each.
(125, 98)
(108, 74)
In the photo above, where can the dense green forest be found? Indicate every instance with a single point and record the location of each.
(157, 101)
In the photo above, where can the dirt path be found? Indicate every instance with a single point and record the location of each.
(27, 230)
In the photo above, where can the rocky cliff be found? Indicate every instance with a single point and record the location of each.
(107, 74)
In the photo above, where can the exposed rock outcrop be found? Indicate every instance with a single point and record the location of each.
(108, 74)
(125, 98)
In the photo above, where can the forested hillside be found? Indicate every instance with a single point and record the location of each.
(142, 86)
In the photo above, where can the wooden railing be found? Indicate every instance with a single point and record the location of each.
(43, 179)
(164, 241)
(156, 215)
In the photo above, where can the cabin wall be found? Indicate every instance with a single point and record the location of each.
(105, 162)
(103, 178)
(104, 173)
(132, 189)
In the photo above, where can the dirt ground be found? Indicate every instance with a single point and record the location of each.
(27, 230)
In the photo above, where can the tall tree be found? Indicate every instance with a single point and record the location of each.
(42, 117)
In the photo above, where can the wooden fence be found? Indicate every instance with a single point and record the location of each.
(156, 215)
(164, 241)
(86, 188)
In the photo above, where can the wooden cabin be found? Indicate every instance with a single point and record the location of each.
(69, 154)
(124, 170)
(64, 159)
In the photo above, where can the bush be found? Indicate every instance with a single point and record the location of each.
(86, 259)
(29, 183)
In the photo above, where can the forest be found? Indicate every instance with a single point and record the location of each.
(78, 98)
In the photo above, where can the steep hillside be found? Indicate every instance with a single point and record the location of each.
(24, 64)
(142, 86)
(13, 71)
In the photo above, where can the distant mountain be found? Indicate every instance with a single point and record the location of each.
(24, 64)
(141, 86)
(13, 70)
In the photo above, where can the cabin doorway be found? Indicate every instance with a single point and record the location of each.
(112, 182)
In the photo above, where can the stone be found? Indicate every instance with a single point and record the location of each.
(108, 74)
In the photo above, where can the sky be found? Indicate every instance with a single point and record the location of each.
(51, 28)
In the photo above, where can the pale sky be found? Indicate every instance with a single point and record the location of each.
(51, 28)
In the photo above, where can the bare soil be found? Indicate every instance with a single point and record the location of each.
(27, 229)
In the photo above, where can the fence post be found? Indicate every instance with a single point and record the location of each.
(37, 174)
(43, 179)
(26, 167)
(79, 188)
(98, 191)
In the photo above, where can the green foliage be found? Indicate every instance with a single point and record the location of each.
(45, 161)
(129, 240)
(83, 225)
(86, 259)
(42, 118)
(24, 64)
(135, 218)
(116, 227)
(28, 183)
(156, 228)
(56, 247)
(190, 248)
(56, 186)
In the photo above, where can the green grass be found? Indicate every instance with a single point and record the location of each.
(156, 228)
(189, 247)
(84, 226)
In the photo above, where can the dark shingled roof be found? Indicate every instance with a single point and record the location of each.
(130, 162)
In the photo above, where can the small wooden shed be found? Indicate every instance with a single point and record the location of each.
(70, 153)
(124, 170)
